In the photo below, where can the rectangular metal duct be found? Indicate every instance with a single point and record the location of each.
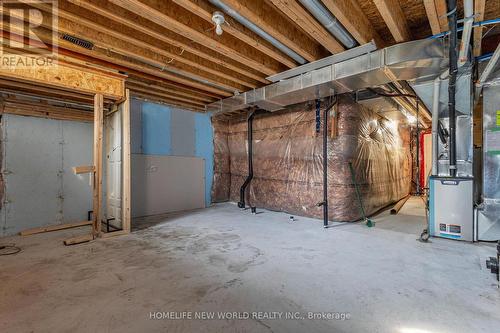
(408, 61)
(331, 60)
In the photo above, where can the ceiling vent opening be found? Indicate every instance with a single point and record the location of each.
(78, 41)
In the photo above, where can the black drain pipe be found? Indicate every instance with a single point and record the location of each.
(325, 161)
(241, 203)
(452, 19)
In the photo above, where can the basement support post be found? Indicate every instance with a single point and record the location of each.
(97, 182)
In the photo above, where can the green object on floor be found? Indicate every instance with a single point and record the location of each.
(369, 223)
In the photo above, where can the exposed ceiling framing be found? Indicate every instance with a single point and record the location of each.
(170, 52)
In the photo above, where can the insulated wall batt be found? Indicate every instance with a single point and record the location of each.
(288, 165)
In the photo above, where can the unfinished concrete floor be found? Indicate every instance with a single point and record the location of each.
(222, 259)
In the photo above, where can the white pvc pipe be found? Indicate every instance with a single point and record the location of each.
(466, 34)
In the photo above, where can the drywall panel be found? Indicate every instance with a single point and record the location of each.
(162, 130)
(182, 133)
(204, 139)
(40, 187)
(77, 189)
(163, 184)
(156, 121)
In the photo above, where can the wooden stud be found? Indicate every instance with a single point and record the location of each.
(126, 175)
(115, 234)
(78, 240)
(78, 170)
(479, 6)
(297, 14)
(98, 146)
(351, 16)
(393, 15)
(55, 227)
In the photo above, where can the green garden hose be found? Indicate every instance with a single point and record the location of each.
(369, 222)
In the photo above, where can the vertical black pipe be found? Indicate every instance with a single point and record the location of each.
(453, 55)
(325, 167)
(243, 187)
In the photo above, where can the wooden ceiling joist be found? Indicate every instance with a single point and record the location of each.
(268, 18)
(34, 90)
(126, 62)
(350, 15)
(129, 48)
(164, 100)
(304, 20)
(170, 90)
(204, 10)
(36, 109)
(432, 16)
(183, 45)
(139, 89)
(80, 16)
(479, 7)
(441, 11)
(171, 17)
(88, 59)
(394, 18)
(133, 48)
